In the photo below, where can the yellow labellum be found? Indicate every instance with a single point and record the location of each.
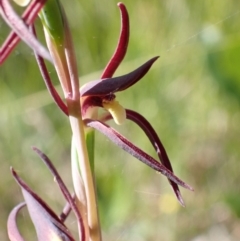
(116, 110)
(22, 3)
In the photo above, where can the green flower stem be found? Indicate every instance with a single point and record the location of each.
(84, 165)
(60, 63)
(75, 117)
(81, 200)
(90, 141)
(71, 61)
(60, 45)
(53, 20)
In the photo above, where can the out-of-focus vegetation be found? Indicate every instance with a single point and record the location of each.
(191, 96)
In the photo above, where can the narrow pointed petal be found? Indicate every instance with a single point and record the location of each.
(8, 46)
(19, 26)
(129, 147)
(28, 17)
(157, 144)
(47, 80)
(112, 85)
(13, 231)
(121, 46)
(48, 226)
(154, 139)
(64, 190)
(66, 211)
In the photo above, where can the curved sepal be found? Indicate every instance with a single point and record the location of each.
(64, 190)
(47, 224)
(20, 28)
(109, 86)
(122, 45)
(143, 123)
(12, 228)
(157, 144)
(129, 147)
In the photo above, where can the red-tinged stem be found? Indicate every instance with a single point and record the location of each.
(44, 72)
(121, 46)
(19, 26)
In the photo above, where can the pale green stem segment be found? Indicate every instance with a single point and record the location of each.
(86, 173)
(90, 141)
(60, 45)
(81, 200)
(53, 25)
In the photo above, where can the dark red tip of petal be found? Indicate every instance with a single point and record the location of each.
(157, 144)
(112, 85)
(121, 46)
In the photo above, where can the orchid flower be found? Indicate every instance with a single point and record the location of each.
(101, 93)
(81, 105)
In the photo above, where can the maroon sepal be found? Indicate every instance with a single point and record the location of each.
(47, 224)
(109, 86)
(129, 147)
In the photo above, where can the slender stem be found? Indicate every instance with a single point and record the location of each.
(90, 141)
(80, 193)
(71, 62)
(77, 126)
(84, 164)
(60, 64)
(61, 48)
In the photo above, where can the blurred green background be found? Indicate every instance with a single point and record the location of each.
(191, 96)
